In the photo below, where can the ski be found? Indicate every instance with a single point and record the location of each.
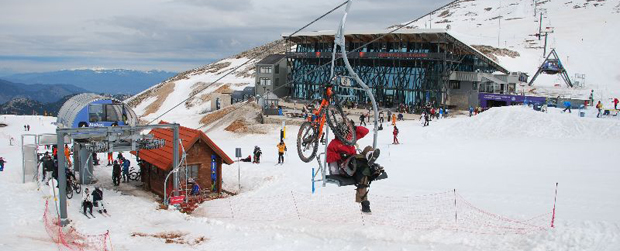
(86, 216)
(91, 214)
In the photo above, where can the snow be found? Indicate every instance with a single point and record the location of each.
(583, 37)
(505, 161)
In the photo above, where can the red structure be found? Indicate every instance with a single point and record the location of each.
(200, 150)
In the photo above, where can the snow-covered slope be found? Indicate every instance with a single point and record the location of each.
(503, 174)
(584, 35)
(160, 98)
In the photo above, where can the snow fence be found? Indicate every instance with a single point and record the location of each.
(70, 239)
(447, 211)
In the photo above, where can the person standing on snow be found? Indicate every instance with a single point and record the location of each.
(126, 164)
(116, 173)
(344, 160)
(616, 103)
(471, 110)
(394, 119)
(2, 164)
(362, 119)
(599, 107)
(68, 155)
(281, 150)
(257, 154)
(110, 158)
(395, 132)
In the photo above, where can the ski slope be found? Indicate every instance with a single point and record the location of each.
(583, 35)
(504, 161)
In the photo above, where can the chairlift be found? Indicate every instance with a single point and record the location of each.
(552, 67)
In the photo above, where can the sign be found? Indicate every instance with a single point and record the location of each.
(238, 152)
(177, 199)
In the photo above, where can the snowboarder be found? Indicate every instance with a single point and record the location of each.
(281, 150)
(599, 107)
(2, 164)
(257, 154)
(98, 200)
(126, 164)
(116, 173)
(395, 132)
(87, 202)
(567, 106)
(344, 160)
(362, 119)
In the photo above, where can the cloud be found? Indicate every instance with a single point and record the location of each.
(169, 34)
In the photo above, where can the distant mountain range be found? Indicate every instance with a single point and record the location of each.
(26, 106)
(110, 81)
(37, 92)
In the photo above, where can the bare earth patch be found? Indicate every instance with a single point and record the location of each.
(173, 238)
(162, 94)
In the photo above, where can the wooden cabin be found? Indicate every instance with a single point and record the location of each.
(201, 152)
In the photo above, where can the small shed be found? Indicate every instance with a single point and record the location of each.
(204, 161)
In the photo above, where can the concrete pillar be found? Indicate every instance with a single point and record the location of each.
(62, 179)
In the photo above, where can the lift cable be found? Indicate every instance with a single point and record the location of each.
(246, 62)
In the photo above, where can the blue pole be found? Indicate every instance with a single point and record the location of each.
(313, 180)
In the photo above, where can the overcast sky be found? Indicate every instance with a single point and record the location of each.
(173, 35)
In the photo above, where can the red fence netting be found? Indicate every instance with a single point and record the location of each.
(69, 238)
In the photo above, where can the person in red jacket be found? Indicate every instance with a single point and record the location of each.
(344, 160)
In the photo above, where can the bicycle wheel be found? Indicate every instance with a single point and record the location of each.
(69, 191)
(133, 176)
(77, 187)
(342, 127)
(307, 142)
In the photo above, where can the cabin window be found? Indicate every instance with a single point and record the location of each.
(192, 171)
(95, 113)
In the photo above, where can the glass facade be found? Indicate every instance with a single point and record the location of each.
(404, 69)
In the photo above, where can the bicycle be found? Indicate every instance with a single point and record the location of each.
(72, 185)
(311, 131)
(135, 175)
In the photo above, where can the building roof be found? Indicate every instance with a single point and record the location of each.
(162, 157)
(426, 35)
(272, 59)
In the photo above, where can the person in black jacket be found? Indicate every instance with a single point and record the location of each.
(116, 173)
(48, 167)
(98, 200)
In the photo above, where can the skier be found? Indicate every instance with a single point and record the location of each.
(344, 160)
(87, 202)
(116, 173)
(599, 107)
(2, 164)
(257, 154)
(126, 164)
(362, 119)
(98, 200)
(395, 142)
(281, 150)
